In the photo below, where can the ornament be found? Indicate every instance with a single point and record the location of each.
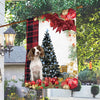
(67, 80)
(26, 84)
(35, 19)
(66, 87)
(33, 83)
(71, 14)
(33, 86)
(74, 35)
(29, 84)
(64, 12)
(46, 83)
(30, 87)
(39, 81)
(71, 63)
(56, 82)
(63, 83)
(73, 83)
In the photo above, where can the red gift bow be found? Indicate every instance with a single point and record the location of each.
(60, 24)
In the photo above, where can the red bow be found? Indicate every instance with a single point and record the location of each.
(60, 24)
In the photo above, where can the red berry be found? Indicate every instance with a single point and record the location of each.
(69, 34)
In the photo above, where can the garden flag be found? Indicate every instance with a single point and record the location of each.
(32, 40)
(51, 60)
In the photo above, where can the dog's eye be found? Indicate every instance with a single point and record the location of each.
(33, 50)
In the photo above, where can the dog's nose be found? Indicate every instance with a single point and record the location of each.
(37, 53)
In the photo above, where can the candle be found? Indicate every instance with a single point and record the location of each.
(90, 65)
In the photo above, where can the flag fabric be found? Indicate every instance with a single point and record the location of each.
(32, 40)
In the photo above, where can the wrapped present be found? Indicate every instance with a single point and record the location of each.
(63, 68)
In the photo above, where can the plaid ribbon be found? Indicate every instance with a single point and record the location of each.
(32, 40)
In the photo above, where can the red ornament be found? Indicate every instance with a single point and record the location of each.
(46, 79)
(38, 82)
(33, 82)
(67, 80)
(63, 83)
(53, 80)
(29, 83)
(71, 14)
(46, 83)
(56, 82)
(73, 83)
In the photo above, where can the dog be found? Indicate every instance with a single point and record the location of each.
(34, 55)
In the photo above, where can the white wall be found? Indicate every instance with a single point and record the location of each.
(85, 92)
(2, 14)
(15, 72)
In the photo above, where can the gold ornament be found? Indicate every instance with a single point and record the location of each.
(60, 79)
(71, 63)
(26, 84)
(30, 87)
(74, 35)
(75, 72)
(36, 85)
(64, 12)
(33, 86)
(66, 87)
(35, 19)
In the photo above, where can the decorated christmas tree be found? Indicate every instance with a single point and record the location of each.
(50, 64)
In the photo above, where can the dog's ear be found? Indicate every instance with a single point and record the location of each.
(30, 54)
(41, 51)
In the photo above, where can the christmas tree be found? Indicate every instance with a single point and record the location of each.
(50, 64)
